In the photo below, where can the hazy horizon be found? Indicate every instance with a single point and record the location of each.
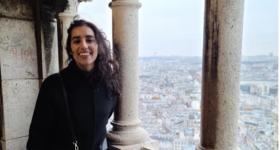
(243, 56)
(185, 20)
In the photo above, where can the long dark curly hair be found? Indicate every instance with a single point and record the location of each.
(107, 67)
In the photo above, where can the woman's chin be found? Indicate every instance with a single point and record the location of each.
(87, 66)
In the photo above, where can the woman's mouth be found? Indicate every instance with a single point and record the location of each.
(85, 53)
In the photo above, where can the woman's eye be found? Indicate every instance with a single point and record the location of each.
(91, 40)
(76, 41)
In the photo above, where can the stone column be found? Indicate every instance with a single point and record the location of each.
(221, 66)
(48, 30)
(127, 132)
(64, 20)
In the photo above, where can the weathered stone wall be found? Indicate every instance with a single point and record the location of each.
(19, 72)
(20, 9)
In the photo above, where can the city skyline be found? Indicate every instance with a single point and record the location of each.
(166, 90)
(185, 20)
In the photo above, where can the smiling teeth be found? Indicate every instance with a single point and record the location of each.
(84, 54)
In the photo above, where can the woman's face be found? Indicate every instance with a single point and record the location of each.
(84, 47)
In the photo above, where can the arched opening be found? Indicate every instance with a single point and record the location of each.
(170, 80)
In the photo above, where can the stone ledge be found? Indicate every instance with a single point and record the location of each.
(149, 145)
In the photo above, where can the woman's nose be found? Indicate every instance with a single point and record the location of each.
(84, 44)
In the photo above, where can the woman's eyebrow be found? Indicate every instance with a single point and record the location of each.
(87, 36)
(75, 37)
(90, 36)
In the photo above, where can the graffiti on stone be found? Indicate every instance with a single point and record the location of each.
(17, 49)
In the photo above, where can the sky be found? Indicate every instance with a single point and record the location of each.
(175, 28)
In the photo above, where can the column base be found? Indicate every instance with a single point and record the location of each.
(128, 137)
(199, 147)
(149, 145)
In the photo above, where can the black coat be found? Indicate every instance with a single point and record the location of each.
(91, 105)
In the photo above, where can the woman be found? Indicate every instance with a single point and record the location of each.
(91, 91)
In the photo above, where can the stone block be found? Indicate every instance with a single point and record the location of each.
(16, 9)
(15, 144)
(19, 98)
(18, 53)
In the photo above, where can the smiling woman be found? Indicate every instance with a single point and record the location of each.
(73, 107)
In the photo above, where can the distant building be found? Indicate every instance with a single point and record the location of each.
(245, 88)
(273, 90)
